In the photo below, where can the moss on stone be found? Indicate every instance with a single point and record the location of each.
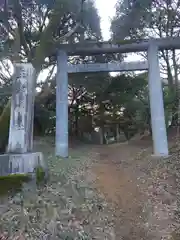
(40, 175)
(4, 127)
(12, 183)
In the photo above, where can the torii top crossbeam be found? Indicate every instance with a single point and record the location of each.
(93, 48)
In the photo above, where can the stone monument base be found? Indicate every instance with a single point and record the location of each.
(25, 163)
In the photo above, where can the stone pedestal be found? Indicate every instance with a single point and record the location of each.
(24, 163)
(19, 158)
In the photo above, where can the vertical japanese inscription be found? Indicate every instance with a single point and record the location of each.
(19, 97)
(20, 134)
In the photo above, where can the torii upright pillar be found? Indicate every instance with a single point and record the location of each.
(62, 105)
(156, 103)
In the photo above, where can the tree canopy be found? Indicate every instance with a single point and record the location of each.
(159, 19)
(118, 104)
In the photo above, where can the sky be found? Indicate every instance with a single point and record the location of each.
(106, 9)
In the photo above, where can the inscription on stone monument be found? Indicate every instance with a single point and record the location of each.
(22, 98)
(20, 93)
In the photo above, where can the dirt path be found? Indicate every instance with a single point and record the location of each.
(140, 190)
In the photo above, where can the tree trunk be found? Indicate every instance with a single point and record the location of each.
(148, 113)
(4, 127)
(42, 50)
(176, 107)
(175, 114)
(117, 133)
(76, 114)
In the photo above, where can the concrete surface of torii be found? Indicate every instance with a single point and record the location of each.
(152, 46)
(127, 46)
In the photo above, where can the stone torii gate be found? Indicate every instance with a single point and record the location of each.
(152, 46)
(20, 157)
(62, 91)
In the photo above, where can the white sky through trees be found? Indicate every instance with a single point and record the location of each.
(106, 9)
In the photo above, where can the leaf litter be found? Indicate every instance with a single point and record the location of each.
(111, 193)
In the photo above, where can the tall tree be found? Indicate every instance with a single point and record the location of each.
(160, 20)
(36, 28)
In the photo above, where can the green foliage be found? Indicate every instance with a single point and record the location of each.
(40, 175)
(148, 19)
(12, 183)
(35, 31)
(97, 99)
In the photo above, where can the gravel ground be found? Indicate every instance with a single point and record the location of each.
(108, 192)
(68, 207)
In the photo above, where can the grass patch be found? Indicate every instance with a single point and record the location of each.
(12, 183)
(40, 175)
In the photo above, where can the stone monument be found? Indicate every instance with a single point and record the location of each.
(20, 158)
